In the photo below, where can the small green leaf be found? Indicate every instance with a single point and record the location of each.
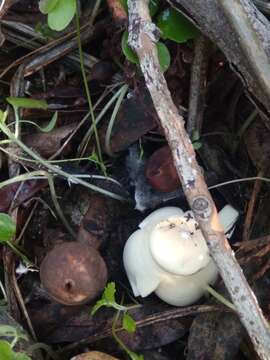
(7, 227)
(51, 124)
(6, 352)
(107, 299)
(164, 56)
(97, 306)
(176, 27)
(163, 53)
(44, 30)
(27, 103)
(109, 292)
(127, 51)
(46, 6)
(94, 158)
(62, 14)
(129, 324)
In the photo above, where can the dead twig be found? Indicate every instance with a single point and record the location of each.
(198, 85)
(158, 317)
(251, 207)
(142, 37)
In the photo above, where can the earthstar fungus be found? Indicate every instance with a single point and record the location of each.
(168, 255)
(73, 273)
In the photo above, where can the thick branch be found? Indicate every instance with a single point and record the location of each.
(141, 35)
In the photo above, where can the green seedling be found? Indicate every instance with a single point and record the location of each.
(128, 323)
(108, 300)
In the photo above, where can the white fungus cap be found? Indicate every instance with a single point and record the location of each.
(169, 255)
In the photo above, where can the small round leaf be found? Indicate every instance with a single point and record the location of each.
(46, 6)
(62, 14)
(176, 27)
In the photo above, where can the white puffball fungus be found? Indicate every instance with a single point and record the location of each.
(168, 255)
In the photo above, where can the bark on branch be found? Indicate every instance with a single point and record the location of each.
(142, 37)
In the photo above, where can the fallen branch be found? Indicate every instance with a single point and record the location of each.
(142, 37)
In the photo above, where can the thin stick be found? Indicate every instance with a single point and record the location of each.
(198, 85)
(142, 33)
(251, 207)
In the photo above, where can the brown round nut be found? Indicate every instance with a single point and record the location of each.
(73, 273)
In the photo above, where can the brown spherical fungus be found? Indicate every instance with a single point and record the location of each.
(161, 172)
(73, 273)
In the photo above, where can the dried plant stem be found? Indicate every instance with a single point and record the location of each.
(142, 35)
(197, 90)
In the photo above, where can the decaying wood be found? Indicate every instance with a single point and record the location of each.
(142, 37)
(242, 33)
